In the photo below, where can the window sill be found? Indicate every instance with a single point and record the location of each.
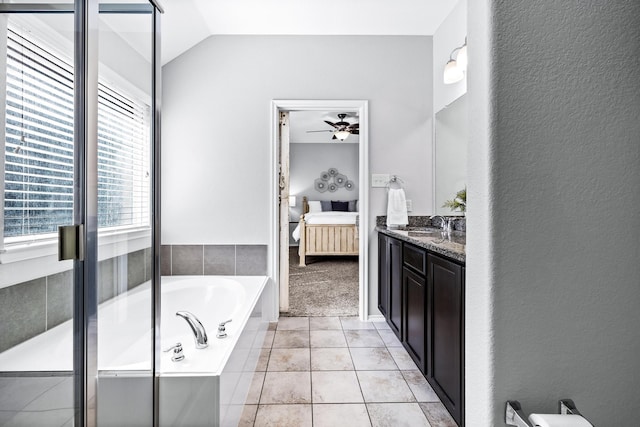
(20, 262)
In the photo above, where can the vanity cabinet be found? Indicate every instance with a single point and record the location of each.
(446, 281)
(390, 281)
(421, 295)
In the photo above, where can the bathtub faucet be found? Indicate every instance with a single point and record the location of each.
(199, 333)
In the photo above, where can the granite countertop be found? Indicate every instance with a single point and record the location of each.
(451, 244)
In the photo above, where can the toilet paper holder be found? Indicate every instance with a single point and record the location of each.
(514, 416)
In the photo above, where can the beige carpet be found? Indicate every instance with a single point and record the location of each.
(327, 286)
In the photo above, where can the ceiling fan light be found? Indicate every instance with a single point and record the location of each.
(452, 73)
(342, 134)
(462, 59)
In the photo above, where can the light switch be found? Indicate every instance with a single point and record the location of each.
(409, 205)
(380, 179)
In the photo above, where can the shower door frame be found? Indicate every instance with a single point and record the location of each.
(85, 300)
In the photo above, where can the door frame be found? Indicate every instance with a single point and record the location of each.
(362, 107)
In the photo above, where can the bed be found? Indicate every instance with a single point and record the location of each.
(326, 233)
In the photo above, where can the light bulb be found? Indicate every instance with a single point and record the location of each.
(452, 73)
(462, 58)
(342, 134)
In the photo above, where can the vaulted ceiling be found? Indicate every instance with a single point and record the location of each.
(187, 22)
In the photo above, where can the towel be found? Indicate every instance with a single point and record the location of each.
(397, 208)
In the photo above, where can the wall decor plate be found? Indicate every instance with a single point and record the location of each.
(333, 187)
(325, 176)
(340, 180)
(320, 185)
(333, 171)
(349, 185)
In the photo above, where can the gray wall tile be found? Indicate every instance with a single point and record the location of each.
(22, 312)
(251, 260)
(148, 264)
(135, 269)
(59, 298)
(220, 259)
(107, 276)
(165, 260)
(186, 260)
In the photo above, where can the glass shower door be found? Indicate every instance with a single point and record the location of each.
(37, 187)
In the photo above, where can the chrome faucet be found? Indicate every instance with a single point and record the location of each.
(199, 333)
(446, 222)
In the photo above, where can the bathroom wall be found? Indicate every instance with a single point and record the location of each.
(449, 35)
(308, 160)
(553, 231)
(216, 126)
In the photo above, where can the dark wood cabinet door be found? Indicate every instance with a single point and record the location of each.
(445, 280)
(394, 265)
(383, 276)
(415, 317)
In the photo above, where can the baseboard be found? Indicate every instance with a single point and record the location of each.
(376, 318)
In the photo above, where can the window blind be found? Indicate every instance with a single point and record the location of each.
(38, 192)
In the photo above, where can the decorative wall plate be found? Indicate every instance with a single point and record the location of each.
(333, 187)
(325, 176)
(333, 171)
(320, 185)
(349, 185)
(340, 180)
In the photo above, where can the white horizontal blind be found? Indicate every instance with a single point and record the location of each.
(38, 193)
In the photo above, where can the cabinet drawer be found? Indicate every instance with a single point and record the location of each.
(415, 258)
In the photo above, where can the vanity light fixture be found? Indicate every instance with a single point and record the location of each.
(456, 68)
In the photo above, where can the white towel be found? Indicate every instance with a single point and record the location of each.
(397, 208)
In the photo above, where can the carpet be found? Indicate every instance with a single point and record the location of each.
(327, 286)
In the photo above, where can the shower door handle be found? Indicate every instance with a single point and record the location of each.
(71, 242)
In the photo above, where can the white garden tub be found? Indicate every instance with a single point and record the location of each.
(207, 388)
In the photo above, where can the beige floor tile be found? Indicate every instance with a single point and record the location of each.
(332, 415)
(286, 387)
(331, 359)
(397, 415)
(328, 339)
(335, 387)
(324, 323)
(289, 359)
(381, 325)
(293, 324)
(355, 323)
(291, 339)
(437, 414)
(284, 416)
(248, 416)
(255, 389)
(402, 358)
(389, 338)
(384, 386)
(372, 359)
(363, 338)
(419, 386)
(272, 326)
(268, 339)
(263, 360)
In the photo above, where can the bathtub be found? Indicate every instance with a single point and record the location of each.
(207, 388)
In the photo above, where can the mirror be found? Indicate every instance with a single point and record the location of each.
(450, 154)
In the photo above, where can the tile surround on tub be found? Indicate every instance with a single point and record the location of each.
(216, 260)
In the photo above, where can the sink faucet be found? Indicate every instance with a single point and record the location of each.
(446, 222)
(199, 333)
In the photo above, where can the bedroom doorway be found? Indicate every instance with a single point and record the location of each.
(331, 279)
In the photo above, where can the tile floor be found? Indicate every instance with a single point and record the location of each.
(331, 371)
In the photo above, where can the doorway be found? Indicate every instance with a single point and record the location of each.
(281, 195)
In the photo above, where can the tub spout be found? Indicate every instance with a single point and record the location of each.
(199, 333)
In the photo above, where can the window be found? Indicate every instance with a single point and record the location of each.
(38, 181)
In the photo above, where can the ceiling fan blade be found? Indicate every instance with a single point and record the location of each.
(325, 130)
(331, 124)
(354, 125)
(355, 132)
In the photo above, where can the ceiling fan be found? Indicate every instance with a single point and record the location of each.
(341, 129)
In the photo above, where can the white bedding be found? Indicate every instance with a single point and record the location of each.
(326, 218)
